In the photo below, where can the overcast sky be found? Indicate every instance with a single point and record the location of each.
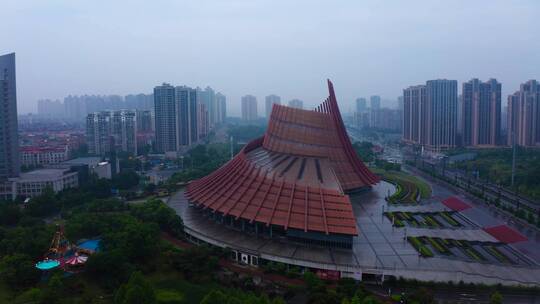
(260, 47)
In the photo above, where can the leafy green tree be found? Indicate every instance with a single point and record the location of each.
(196, 263)
(370, 300)
(278, 300)
(127, 161)
(137, 241)
(10, 213)
(88, 225)
(32, 295)
(313, 283)
(44, 204)
(102, 188)
(126, 179)
(496, 298)
(237, 297)
(423, 296)
(54, 290)
(364, 150)
(155, 210)
(109, 268)
(105, 205)
(214, 297)
(136, 291)
(165, 296)
(150, 188)
(29, 240)
(346, 287)
(18, 271)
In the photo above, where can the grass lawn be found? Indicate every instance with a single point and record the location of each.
(423, 186)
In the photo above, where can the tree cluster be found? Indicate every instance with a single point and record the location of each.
(364, 150)
(238, 297)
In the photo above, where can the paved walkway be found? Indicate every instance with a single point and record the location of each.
(379, 248)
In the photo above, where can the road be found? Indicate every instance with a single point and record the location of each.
(391, 152)
(464, 294)
(494, 191)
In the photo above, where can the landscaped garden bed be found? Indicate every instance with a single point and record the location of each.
(482, 252)
(419, 245)
(409, 189)
(443, 219)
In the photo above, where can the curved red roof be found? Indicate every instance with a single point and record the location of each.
(295, 176)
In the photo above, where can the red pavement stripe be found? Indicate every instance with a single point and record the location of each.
(505, 234)
(455, 204)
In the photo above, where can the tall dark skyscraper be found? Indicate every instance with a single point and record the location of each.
(145, 121)
(441, 97)
(270, 100)
(176, 112)
(524, 115)
(98, 133)
(361, 105)
(249, 108)
(186, 115)
(221, 102)
(430, 114)
(414, 115)
(208, 98)
(9, 141)
(165, 109)
(481, 113)
(375, 102)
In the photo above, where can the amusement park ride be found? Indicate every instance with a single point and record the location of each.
(63, 254)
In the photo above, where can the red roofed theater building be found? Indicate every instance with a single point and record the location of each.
(292, 183)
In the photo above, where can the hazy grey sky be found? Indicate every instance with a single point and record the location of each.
(260, 47)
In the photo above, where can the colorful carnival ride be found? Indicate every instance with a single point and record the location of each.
(63, 254)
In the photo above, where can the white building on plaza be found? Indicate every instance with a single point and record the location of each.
(31, 184)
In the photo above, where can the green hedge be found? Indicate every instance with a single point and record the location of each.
(497, 254)
(448, 217)
(408, 188)
(430, 221)
(439, 246)
(419, 246)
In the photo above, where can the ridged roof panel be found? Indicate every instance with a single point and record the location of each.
(294, 177)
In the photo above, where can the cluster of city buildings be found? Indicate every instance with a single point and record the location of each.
(35, 151)
(375, 117)
(170, 119)
(39, 148)
(436, 117)
(180, 116)
(76, 108)
(184, 116)
(249, 106)
(108, 131)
